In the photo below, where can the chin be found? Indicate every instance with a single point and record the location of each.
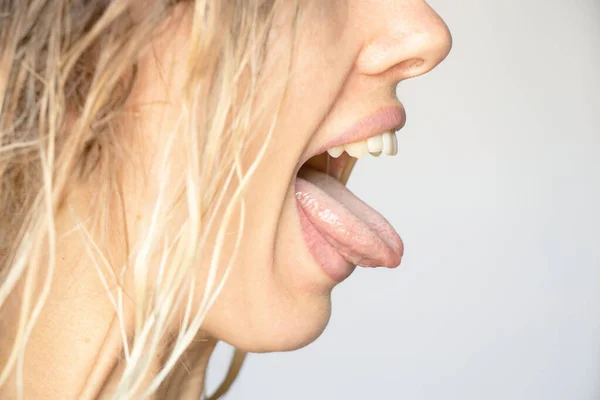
(290, 332)
(287, 326)
(273, 318)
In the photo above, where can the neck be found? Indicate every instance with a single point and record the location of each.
(76, 348)
(66, 365)
(185, 381)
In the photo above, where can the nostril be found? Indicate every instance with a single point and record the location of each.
(407, 69)
(410, 65)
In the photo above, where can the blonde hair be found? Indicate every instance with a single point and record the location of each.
(66, 72)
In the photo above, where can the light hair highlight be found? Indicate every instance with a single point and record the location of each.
(67, 68)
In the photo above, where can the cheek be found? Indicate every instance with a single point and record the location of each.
(318, 77)
(323, 52)
(271, 301)
(274, 299)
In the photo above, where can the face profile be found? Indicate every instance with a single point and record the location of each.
(189, 169)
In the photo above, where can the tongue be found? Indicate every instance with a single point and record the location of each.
(356, 231)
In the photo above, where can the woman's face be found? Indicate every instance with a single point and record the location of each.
(302, 236)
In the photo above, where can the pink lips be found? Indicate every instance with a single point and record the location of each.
(339, 229)
(391, 118)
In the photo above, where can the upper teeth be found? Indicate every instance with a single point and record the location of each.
(385, 143)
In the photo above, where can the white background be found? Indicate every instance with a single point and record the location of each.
(496, 193)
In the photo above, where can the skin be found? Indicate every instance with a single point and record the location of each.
(349, 57)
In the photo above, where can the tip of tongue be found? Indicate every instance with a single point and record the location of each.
(381, 250)
(359, 233)
(388, 255)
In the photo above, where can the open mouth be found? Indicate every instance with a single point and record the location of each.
(340, 230)
(338, 168)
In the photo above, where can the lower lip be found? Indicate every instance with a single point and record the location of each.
(333, 264)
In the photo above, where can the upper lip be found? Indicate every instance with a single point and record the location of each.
(391, 118)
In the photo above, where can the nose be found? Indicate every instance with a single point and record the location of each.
(404, 39)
